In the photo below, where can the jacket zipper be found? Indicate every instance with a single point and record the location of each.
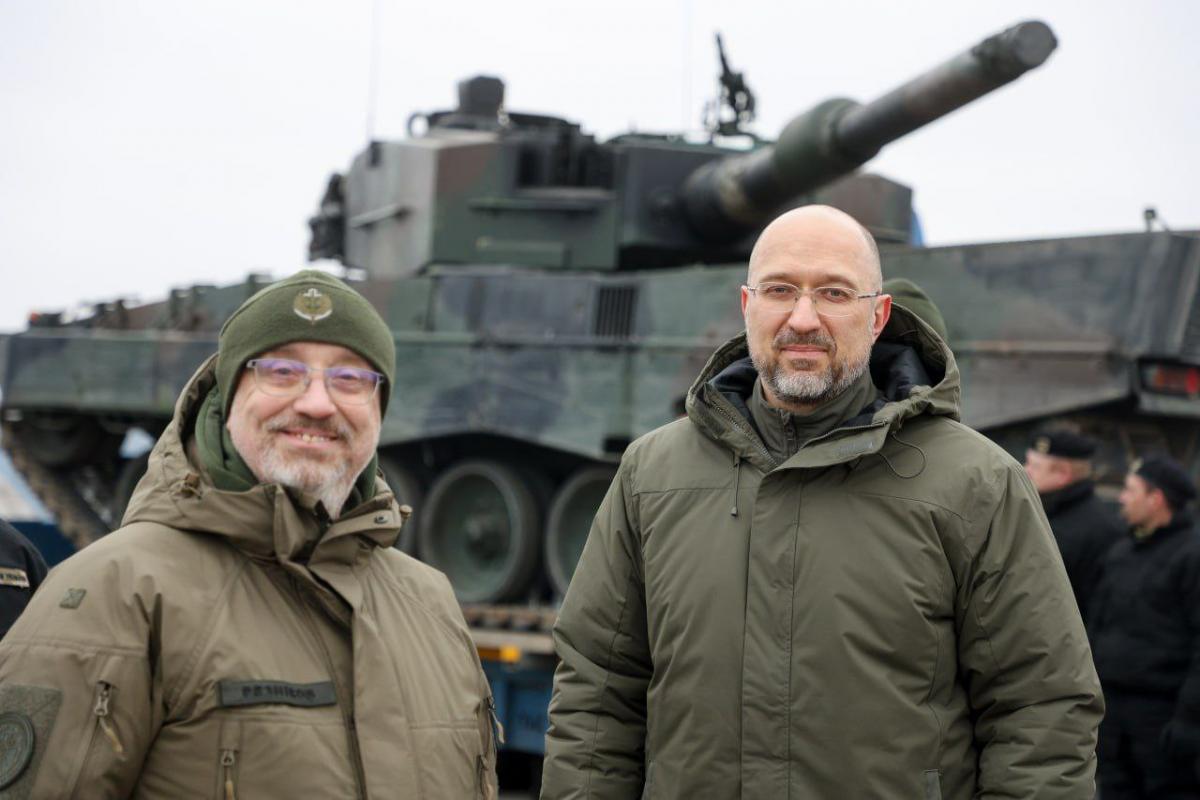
(494, 731)
(753, 437)
(360, 771)
(103, 697)
(228, 760)
(101, 711)
(497, 728)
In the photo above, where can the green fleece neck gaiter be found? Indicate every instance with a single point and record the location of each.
(229, 472)
(225, 467)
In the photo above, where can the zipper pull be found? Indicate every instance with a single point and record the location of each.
(737, 482)
(497, 728)
(103, 697)
(228, 759)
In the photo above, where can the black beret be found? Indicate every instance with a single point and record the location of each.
(1062, 443)
(1166, 474)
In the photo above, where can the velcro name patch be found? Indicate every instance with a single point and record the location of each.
(253, 693)
(11, 576)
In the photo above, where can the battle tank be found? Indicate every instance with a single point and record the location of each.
(553, 296)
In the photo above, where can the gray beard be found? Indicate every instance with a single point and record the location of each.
(329, 484)
(809, 388)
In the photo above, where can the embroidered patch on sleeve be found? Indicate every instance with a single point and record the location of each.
(11, 576)
(72, 598)
(26, 716)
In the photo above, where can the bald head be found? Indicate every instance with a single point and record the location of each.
(803, 231)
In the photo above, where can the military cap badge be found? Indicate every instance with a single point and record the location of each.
(313, 305)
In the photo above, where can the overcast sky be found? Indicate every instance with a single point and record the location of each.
(146, 145)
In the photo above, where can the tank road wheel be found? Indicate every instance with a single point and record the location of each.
(404, 484)
(570, 519)
(479, 525)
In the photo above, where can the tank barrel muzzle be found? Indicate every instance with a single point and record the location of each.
(727, 198)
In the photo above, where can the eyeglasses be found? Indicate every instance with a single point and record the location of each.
(282, 377)
(828, 301)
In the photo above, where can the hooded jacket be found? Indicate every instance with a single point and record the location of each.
(883, 615)
(232, 644)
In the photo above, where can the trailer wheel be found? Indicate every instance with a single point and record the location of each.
(480, 526)
(569, 520)
(127, 480)
(407, 488)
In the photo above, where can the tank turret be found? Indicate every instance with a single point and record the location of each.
(484, 185)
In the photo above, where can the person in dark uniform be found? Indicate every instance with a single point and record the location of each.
(1059, 462)
(22, 570)
(1145, 632)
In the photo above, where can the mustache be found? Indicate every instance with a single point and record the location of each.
(813, 338)
(326, 426)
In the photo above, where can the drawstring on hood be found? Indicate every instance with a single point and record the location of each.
(897, 473)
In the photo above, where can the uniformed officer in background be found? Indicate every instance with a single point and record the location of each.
(1144, 626)
(22, 569)
(1059, 462)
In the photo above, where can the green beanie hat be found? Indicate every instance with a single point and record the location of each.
(310, 306)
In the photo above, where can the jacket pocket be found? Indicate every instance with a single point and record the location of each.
(229, 746)
(933, 785)
(103, 734)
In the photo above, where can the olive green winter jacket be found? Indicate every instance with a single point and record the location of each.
(208, 649)
(884, 615)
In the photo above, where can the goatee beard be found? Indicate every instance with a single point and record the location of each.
(808, 388)
(328, 483)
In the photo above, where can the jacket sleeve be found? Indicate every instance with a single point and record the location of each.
(596, 743)
(1023, 654)
(1186, 571)
(77, 681)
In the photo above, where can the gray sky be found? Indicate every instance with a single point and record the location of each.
(153, 144)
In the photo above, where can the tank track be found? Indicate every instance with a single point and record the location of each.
(57, 489)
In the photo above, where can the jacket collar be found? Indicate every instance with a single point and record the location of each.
(1069, 495)
(1181, 522)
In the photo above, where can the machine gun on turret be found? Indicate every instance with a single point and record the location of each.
(734, 107)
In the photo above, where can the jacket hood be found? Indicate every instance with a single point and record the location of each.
(266, 521)
(911, 366)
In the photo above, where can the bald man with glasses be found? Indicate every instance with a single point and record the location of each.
(818, 583)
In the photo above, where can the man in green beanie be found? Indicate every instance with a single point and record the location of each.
(250, 631)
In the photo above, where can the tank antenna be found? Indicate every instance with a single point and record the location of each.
(1151, 216)
(373, 75)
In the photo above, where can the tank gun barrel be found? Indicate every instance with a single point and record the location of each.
(727, 198)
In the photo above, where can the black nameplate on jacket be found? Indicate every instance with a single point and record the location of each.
(254, 693)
